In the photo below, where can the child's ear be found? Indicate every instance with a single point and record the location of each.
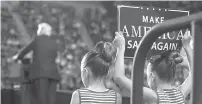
(152, 75)
(85, 72)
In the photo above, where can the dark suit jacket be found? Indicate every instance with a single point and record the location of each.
(44, 54)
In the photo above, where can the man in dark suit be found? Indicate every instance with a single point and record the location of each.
(43, 70)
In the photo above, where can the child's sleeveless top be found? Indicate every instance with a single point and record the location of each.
(170, 96)
(91, 97)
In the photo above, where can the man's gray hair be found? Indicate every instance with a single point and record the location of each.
(44, 29)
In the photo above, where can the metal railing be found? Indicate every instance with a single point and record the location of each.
(195, 23)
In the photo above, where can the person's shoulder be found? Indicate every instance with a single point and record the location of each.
(78, 91)
(75, 97)
(41, 37)
(37, 38)
(180, 89)
(75, 93)
(150, 95)
(82, 89)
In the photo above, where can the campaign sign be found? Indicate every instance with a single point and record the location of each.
(135, 22)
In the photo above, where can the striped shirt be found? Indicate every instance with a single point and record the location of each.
(91, 97)
(170, 96)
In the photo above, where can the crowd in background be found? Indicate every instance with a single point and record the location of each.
(62, 21)
(98, 25)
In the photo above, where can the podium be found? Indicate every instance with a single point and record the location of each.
(19, 74)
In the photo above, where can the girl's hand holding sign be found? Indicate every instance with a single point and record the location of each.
(186, 40)
(119, 41)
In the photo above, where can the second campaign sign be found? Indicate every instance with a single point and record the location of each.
(135, 22)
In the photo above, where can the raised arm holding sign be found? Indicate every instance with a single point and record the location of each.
(160, 75)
